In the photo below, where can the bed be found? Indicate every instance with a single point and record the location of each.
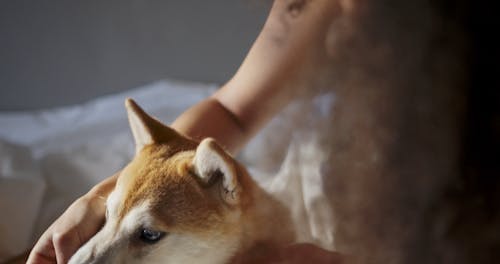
(50, 157)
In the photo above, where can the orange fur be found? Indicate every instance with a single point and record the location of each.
(229, 210)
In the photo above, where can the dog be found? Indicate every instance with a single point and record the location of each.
(180, 201)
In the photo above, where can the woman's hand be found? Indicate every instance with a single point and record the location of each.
(74, 227)
(70, 231)
(296, 253)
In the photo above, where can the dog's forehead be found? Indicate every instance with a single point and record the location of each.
(164, 179)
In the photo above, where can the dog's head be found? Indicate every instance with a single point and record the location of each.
(176, 202)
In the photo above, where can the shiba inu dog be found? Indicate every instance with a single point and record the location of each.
(179, 201)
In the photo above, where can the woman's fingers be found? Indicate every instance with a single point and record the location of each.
(43, 252)
(66, 245)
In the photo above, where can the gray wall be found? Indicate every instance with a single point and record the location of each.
(62, 52)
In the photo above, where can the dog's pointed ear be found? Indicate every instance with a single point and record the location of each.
(212, 161)
(146, 129)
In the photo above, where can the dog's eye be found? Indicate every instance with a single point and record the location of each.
(150, 236)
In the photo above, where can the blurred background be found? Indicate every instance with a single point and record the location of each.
(56, 53)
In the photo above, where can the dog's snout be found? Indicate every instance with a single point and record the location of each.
(96, 251)
(85, 255)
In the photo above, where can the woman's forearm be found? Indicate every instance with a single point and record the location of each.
(209, 118)
(275, 68)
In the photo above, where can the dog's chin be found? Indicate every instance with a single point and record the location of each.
(190, 249)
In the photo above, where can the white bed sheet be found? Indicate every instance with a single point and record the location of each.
(48, 158)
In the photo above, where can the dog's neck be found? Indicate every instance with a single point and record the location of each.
(266, 222)
(266, 226)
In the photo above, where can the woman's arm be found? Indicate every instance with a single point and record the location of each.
(289, 50)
